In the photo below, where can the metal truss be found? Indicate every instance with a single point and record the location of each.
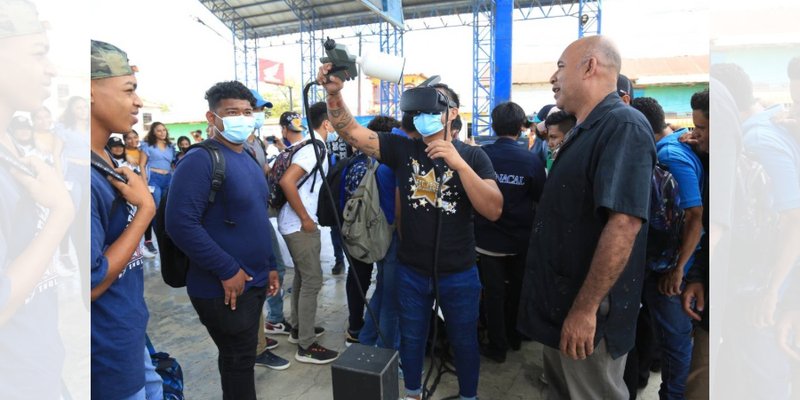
(310, 42)
(482, 66)
(245, 42)
(589, 14)
(440, 14)
(391, 42)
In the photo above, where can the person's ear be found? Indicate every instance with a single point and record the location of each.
(591, 67)
(210, 117)
(452, 114)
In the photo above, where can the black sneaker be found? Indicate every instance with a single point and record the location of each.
(294, 337)
(350, 338)
(338, 268)
(271, 344)
(270, 360)
(315, 354)
(150, 247)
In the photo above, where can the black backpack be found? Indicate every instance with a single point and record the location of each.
(174, 262)
(326, 209)
(170, 371)
(665, 227)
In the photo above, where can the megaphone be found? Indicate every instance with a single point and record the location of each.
(383, 66)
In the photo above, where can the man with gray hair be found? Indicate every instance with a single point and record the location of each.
(581, 301)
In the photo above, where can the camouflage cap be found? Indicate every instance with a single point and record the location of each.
(109, 61)
(19, 17)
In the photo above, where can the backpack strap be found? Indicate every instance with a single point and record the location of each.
(149, 344)
(218, 167)
(314, 170)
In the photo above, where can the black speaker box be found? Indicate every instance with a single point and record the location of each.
(366, 373)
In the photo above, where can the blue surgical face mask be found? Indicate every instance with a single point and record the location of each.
(428, 124)
(236, 128)
(332, 136)
(259, 119)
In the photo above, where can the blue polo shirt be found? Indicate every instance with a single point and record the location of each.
(684, 165)
(605, 165)
(234, 232)
(520, 177)
(119, 316)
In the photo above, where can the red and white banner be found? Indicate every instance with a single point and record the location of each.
(270, 72)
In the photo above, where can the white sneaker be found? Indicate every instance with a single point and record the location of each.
(147, 253)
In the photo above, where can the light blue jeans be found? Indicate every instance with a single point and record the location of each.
(153, 385)
(384, 304)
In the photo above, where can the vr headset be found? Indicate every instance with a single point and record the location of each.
(425, 99)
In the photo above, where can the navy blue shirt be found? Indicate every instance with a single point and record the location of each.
(606, 165)
(520, 177)
(234, 232)
(119, 316)
(417, 181)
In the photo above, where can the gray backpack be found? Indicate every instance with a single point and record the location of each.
(365, 233)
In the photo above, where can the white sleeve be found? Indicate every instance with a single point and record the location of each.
(305, 158)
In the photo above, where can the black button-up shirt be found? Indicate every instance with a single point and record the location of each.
(605, 164)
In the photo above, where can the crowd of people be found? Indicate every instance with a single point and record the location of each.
(546, 242)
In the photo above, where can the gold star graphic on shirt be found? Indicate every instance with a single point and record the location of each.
(425, 186)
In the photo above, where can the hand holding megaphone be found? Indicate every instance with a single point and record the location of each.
(377, 65)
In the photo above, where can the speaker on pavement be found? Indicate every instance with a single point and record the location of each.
(365, 372)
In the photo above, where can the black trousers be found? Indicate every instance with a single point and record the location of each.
(645, 353)
(235, 332)
(502, 283)
(355, 301)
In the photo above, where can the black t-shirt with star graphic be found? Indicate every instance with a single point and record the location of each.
(416, 179)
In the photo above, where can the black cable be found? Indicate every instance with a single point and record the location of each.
(326, 186)
(428, 393)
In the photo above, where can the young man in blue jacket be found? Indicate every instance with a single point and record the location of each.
(232, 268)
(503, 245)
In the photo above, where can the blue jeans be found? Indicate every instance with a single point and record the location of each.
(275, 303)
(459, 294)
(673, 328)
(336, 241)
(153, 384)
(160, 183)
(384, 304)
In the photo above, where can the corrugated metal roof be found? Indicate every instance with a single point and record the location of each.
(266, 18)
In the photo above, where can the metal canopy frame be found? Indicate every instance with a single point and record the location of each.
(254, 20)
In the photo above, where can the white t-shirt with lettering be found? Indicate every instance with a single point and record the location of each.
(288, 221)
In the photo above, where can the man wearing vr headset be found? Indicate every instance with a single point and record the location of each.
(440, 181)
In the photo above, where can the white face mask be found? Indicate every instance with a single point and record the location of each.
(237, 128)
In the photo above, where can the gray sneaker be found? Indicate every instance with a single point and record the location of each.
(270, 360)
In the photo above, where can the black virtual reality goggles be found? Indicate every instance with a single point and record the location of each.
(425, 99)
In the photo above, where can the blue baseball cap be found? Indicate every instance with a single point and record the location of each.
(260, 101)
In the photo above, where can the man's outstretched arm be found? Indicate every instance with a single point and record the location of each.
(343, 122)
